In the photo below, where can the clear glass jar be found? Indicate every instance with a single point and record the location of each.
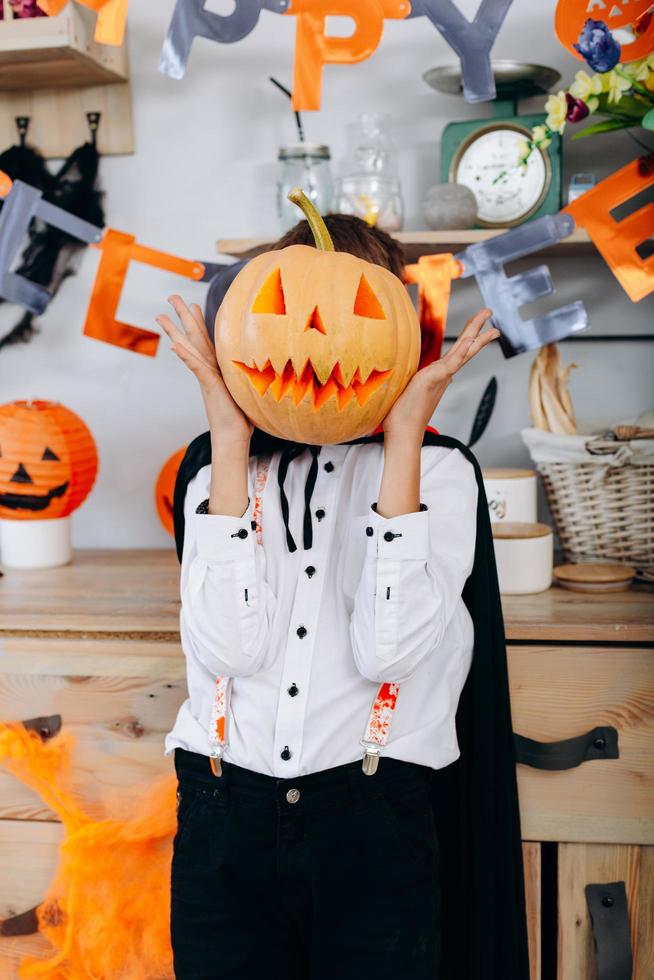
(369, 186)
(303, 165)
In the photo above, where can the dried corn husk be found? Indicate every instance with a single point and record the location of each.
(550, 405)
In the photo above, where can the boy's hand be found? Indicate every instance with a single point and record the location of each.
(412, 411)
(193, 346)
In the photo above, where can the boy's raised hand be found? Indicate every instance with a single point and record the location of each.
(194, 348)
(414, 408)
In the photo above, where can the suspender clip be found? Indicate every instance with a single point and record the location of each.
(215, 760)
(370, 758)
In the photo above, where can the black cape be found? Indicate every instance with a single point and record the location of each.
(475, 798)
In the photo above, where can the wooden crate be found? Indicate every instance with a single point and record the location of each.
(49, 52)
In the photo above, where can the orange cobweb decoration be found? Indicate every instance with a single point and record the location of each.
(106, 911)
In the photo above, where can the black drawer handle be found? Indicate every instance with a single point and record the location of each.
(609, 914)
(598, 743)
(45, 726)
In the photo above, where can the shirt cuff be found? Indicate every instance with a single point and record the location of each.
(223, 538)
(397, 538)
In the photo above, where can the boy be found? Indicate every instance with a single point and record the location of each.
(317, 581)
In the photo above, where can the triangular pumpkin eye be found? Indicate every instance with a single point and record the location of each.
(271, 296)
(48, 454)
(366, 303)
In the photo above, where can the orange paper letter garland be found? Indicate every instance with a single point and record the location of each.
(118, 250)
(616, 241)
(434, 275)
(314, 49)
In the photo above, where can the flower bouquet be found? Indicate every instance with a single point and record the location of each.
(623, 94)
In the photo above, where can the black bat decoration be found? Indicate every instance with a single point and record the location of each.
(484, 412)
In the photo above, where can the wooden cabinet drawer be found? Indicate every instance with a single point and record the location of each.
(117, 699)
(583, 864)
(559, 692)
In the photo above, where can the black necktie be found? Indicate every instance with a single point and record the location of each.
(290, 451)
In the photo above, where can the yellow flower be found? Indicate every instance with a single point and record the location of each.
(640, 70)
(649, 82)
(586, 86)
(540, 136)
(556, 108)
(615, 85)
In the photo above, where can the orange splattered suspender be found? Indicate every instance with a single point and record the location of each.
(378, 726)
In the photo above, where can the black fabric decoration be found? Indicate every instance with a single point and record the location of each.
(51, 255)
(475, 798)
(484, 412)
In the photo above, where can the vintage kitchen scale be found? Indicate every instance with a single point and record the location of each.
(483, 154)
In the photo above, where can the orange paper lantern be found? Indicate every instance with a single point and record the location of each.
(6, 183)
(313, 49)
(616, 241)
(164, 490)
(48, 461)
(571, 16)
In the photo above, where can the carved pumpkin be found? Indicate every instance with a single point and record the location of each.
(48, 461)
(571, 15)
(316, 345)
(165, 489)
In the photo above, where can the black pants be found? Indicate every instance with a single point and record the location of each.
(328, 876)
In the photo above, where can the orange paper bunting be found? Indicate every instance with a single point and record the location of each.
(571, 16)
(434, 275)
(6, 183)
(617, 241)
(313, 49)
(118, 250)
(111, 20)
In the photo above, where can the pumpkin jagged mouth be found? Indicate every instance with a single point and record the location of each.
(32, 501)
(308, 382)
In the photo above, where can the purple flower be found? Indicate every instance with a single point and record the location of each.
(26, 8)
(598, 46)
(577, 109)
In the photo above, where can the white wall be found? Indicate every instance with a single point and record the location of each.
(204, 168)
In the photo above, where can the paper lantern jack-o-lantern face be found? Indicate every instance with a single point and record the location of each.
(48, 461)
(316, 345)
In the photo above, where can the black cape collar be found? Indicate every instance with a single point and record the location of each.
(475, 798)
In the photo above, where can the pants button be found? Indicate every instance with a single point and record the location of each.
(293, 795)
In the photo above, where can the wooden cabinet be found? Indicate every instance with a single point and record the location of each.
(97, 642)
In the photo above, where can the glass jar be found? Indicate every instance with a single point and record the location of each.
(369, 186)
(303, 165)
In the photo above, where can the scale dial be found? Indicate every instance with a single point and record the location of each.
(487, 163)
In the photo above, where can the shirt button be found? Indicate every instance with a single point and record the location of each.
(286, 753)
(293, 795)
(389, 536)
(369, 531)
(310, 571)
(329, 466)
(293, 690)
(320, 513)
(301, 631)
(241, 534)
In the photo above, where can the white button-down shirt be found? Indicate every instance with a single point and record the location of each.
(308, 636)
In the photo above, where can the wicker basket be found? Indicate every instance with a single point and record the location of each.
(602, 500)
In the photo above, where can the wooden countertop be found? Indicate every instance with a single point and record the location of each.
(135, 594)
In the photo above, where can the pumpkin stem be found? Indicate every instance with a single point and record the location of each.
(312, 214)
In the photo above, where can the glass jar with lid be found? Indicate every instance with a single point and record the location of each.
(369, 186)
(303, 165)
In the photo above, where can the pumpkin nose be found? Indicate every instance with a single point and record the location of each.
(21, 475)
(314, 321)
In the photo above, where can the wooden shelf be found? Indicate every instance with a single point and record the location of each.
(49, 52)
(417, 243)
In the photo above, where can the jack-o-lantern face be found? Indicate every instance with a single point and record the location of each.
(571, 16)
(315, 346)
(165, 489)
(48, 461)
